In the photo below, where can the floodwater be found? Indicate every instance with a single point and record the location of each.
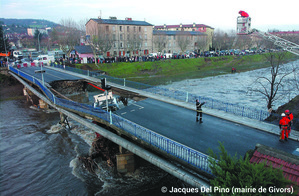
(240, 88)
(40, 157)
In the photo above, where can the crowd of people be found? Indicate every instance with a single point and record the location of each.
(75, 60)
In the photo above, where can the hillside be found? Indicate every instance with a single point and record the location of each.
(33, 23)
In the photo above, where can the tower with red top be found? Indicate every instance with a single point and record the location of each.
(243, 23)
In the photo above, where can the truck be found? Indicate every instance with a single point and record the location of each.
(14, 55)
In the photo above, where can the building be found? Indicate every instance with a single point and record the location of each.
(82, 51)
(288, 163)
(198, 37)
(180, 42)
(31, 31)
(114, 37)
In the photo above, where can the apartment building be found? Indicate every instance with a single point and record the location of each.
(198, 36)
(115, 37)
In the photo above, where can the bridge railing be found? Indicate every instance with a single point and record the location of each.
(185, 153)
(181, 95)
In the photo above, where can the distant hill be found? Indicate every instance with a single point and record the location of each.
(33, 23)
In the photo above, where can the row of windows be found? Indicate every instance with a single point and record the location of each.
(185, 28)
(121, 28)
(121, 45)
(121, 37)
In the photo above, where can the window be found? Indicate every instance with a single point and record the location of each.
(145, 44)
(121, 45)
(139, 29)
(128, 29)
(145, 29)
(113, 28)
(145, 36)
(120, 28)
(121, 36)
(107, 28)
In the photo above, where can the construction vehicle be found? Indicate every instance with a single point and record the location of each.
(12, 55)
(244, 28)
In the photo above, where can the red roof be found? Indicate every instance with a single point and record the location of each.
(290, 170)
(183, 25)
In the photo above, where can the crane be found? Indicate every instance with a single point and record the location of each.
(285, 44)
(244, 28)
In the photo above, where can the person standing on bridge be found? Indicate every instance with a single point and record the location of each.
(290, 116)
(283, 125)
(199, 111)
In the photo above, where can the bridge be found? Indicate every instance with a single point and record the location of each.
(162, 128)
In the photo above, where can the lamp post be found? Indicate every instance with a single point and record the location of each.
(38, 41)
(5, 48)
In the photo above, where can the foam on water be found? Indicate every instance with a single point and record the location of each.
(56, 128)
(109, 181)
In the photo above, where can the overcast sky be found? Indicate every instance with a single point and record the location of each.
(219, 14)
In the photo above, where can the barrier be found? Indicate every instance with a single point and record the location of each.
(180, 95)
(189, 155)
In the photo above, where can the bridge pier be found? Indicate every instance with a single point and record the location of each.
(28, 94)
(42, 104)
(125, 163)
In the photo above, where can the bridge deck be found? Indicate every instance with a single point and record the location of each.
(179, 124)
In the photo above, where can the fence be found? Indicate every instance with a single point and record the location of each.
(180, 95)
(189, 155)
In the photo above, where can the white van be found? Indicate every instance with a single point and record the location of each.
(153, 54)
(45, 59)
(168, 55)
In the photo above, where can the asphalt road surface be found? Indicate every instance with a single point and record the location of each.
(49, 74)
(180, 124)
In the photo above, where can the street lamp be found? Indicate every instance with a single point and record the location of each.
(38, 41)
(5, 48)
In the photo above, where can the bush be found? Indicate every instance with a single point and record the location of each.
(240, 173)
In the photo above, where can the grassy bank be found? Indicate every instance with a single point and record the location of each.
(165, 71)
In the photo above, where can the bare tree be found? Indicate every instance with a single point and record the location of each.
(134, 42)
(183, 39)
(201, 43)
(69, 36)
(160, 41)
(219, 39)
(269, 87)
(101, 40)
(244, 42)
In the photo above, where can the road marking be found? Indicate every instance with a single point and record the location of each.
(132, 111)
(55, 76)
(140, 107)
(123, 113)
